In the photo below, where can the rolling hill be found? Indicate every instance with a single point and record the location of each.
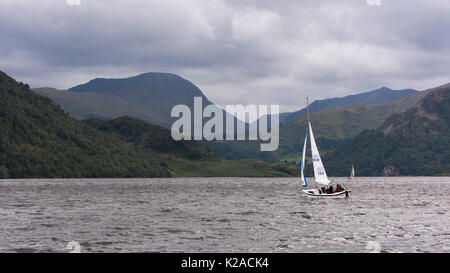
(334, 127)
(144, 136)
(151, 96)
(97, 105)
(182, 158)
(377, 96)
(40, 140)
(414, 142)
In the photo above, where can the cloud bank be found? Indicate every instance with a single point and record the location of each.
(236, 51)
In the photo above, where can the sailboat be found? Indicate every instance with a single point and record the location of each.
(352, 173)
(320, 175)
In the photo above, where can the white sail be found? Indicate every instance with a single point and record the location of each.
(304, 183)
(319, 170)
(352, 174)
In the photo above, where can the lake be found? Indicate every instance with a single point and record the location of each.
(398, 214)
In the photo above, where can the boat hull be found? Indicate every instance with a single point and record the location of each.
(316, 194)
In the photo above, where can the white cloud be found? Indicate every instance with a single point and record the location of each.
(254, 24)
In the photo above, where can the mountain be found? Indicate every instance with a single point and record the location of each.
(336, 120)
(153, 94)
(97, 105)
(378, 96)
(40, 140)
(149, 97)
(148, 137)
(183, 158)
(414, 142)
(334, 127)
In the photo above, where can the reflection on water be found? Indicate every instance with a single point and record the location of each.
(408, 214)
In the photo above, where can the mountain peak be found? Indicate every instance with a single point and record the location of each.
(383, 88)
(377, 96)
(429, 114)
(152, 74)
(157, 83)
(149, 96)
(414, 142)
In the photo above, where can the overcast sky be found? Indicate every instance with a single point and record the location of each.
(236, 51)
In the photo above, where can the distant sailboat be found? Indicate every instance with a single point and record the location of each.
(319, 170)
(352, 173)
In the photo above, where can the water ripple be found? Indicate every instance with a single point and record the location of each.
(223, 214)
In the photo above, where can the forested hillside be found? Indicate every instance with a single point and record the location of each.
(415, 142)
(39, 140)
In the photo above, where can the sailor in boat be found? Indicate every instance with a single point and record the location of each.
(339, 188)
(331, 189)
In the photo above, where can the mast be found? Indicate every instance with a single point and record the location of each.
(302, 171)
(307, 107)
(319, 170)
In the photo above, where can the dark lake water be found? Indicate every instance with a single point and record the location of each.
(406, 214)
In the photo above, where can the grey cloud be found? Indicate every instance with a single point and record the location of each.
(244, 51)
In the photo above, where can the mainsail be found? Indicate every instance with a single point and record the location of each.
(319, 170)
(304, 183)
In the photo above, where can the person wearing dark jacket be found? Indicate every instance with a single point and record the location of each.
(339, 188)
(330, 189)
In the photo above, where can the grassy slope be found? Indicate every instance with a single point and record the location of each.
(378, 96)
(332, 128)
(153, 94)
(230, 168)
(340, 124)
(414, 142)
(183, 158)
(40, 140)
(150, 97)
(98, 105)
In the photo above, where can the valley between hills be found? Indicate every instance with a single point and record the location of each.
(119, 128)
